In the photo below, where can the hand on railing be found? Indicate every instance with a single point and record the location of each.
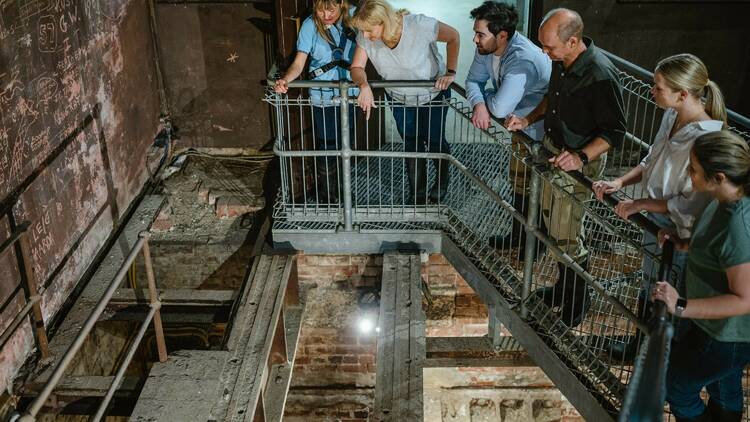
(664, 292)
(445, 81)
(280, 86)
(606, 187)
(665, 235)
(514, 123)
(480, 117)
(566, 161)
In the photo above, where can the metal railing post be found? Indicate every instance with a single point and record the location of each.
(153, 297)
(36, 310)
(346, 156)
(531, 225)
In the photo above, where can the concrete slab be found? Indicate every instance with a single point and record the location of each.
(183, 388)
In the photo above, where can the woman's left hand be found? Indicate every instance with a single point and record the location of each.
(444, 82)
(627, 208)
(666, 293)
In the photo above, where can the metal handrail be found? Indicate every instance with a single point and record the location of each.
(346, 154)
(660, 333)
(643, 402)
(153, 315)
(642, 73)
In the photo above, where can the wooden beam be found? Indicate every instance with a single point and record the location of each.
(454, 352)
(401, 340)
(174, 297)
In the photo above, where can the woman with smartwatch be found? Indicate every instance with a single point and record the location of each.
(716, 348)
(403, 46)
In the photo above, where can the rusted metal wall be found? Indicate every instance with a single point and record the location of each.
(78, 109)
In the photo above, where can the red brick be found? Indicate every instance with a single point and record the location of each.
(437, 258)
(351, 359)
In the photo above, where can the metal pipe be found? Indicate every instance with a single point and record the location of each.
(126, 362)
(337, 84)
(37, 404)
(642, 403)
(346, 155)
(40, 332)
(17, 233)
(18, 320)
(161, 345)
(531, 225)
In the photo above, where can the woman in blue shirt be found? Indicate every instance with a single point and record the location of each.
(326, 39)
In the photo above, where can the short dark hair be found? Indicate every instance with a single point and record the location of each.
(499, 17)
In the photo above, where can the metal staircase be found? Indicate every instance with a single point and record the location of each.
(377, 215)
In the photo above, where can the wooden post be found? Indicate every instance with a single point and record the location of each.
(153, 296)
(36, 313)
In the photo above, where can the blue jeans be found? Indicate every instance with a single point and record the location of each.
(423, 128)
(326, 122)
(699, 361)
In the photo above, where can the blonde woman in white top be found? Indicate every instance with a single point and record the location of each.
(693, 106)
(403, 46)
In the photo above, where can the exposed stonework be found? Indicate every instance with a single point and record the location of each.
(334, 373)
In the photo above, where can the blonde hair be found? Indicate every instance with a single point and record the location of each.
(687, 72)
(343, 6)
(379, 12)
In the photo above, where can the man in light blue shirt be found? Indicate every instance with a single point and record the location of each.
(518, 70)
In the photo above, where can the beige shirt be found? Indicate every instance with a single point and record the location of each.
(665, 173)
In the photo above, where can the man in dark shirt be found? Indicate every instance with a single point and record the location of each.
(583, 117)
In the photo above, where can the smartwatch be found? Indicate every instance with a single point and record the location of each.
(584, 158)
(680, 306)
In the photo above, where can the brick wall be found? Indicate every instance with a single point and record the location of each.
(334, 373)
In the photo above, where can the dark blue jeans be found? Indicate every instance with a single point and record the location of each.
(423, 128)
(698, 361)
(326, 122)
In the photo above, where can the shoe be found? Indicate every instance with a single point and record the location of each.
(416, 169)
(570, 294)
(439, 189)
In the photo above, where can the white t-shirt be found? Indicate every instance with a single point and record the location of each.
(416, 57)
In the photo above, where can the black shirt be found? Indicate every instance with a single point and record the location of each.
(585, 101)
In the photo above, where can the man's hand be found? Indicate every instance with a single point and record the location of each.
(567, 161)
(514, 123)
(365, 100)
(481, 116)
